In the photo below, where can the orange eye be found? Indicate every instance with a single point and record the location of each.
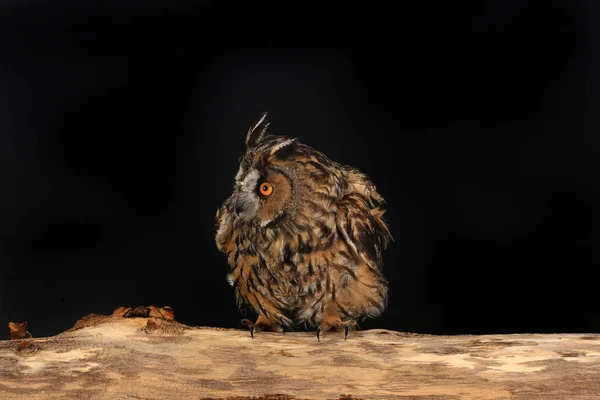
(265, 189)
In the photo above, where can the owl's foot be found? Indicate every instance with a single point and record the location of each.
(264, 324)
(334, 323)
(261, 324)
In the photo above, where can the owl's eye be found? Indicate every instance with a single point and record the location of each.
(265, 188)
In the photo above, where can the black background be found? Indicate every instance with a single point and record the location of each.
(121, 126)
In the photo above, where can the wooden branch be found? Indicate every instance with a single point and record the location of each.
(111, 357)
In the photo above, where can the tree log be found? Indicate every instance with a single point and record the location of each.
(111, 357)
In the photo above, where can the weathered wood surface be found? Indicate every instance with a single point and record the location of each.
(117, 358)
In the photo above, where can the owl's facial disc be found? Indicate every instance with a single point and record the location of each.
(263, 197)
(275, 193)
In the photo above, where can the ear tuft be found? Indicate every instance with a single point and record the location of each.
(283, 150)
(258, 130)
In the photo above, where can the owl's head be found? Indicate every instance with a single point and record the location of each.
(266, 185)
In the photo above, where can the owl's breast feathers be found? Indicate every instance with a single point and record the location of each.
(324, 258)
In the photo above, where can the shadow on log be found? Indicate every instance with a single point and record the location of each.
(144, 353)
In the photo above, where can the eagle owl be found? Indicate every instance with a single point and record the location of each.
(304, 237)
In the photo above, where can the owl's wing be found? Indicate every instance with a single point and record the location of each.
(363, 229)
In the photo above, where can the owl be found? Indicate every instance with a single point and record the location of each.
(304, 237)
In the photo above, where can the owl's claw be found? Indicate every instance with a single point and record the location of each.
(346, 329)
(319, 334)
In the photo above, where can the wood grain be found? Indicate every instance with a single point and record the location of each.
(108, 357)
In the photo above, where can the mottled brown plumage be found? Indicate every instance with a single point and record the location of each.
(303, 235)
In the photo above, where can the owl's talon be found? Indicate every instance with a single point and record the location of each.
(318, 334)
(250, 325)
(346, 329)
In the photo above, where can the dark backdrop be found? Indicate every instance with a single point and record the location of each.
(121, 126)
